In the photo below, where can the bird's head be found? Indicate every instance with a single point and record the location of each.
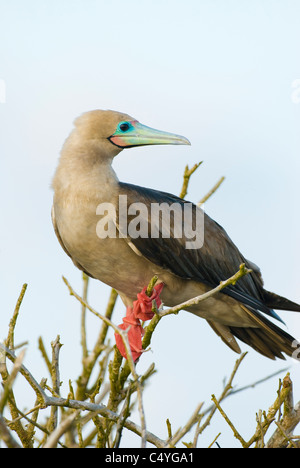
(116, 131)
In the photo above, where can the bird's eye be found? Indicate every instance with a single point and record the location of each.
(124, 127)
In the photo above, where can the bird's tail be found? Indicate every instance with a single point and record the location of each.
(263, 336)
(266, 337)
(274, 301)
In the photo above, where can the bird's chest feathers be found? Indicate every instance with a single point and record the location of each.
(83, 233)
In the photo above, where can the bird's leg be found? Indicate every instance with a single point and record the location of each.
(142, 310)
(135, 334)
(143, 306)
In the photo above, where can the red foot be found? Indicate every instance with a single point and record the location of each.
(142, 310)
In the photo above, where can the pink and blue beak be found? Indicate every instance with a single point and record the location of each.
(132, 133)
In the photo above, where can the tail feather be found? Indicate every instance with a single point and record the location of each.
(225, 335)
(265, 337)
(274, 301)
(260, 341)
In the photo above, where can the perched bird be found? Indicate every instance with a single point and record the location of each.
(110, 248)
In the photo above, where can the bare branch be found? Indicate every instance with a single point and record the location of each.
(194, 301)
(186, 428)
(290, 418)
(85, 280)
(10, 380)
(235, 432)
(6, 436)
(9, 342)
(61, 429)
(186, 178)
(211, 192)
(123, 334)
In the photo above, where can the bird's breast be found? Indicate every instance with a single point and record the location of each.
(81, 227)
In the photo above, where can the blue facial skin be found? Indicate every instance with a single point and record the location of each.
(124, 127)
(133, 133)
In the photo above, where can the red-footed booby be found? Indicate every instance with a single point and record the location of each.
(125, 252)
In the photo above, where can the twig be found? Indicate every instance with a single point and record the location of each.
(151, 285)
(31, 423)
(10, 380)
(56, 345)
(186, 178)
(32, 410)
(42, 397)
(234, 391)
(169, 428)
(9, 342)
(186, 428)
(61, 429)
(283, 395)
(44, 354)
(211, 192)
(6, 436)
(123, 334)
(105, 412)
(197, 431)
(215, 440)
(108, 322)
(225, 392)
(235, 432)
(194, 301)
(123, 416)
(290, 418)
(286, 437)
(149, 330)
(85, 280)
(261, 441)
(9, 395)
(89, 362)
(47, 401)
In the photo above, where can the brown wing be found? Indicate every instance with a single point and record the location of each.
(217, 259)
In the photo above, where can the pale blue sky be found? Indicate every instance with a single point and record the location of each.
(219, 72)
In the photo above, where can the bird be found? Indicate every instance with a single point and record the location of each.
(86, 186)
